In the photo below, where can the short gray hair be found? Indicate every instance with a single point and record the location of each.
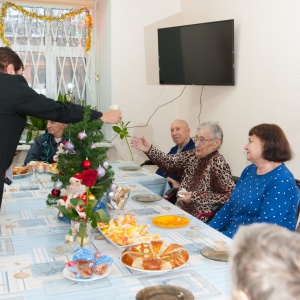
(265, 262)
(214, 128)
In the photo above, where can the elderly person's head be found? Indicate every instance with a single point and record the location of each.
(208, 139)
(265, 263)
(268, 142)
(180, 132)
(56, 128)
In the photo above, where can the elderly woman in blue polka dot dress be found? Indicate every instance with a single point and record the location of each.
(266, 191)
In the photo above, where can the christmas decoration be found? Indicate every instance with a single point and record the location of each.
(69, 146)
(113, 187)
(58, 185)
(55, 192)
(105, 164)
(101, 171)
(82, 188)
(86, 164)
(51, 18)
(81, 135)
(92, 197)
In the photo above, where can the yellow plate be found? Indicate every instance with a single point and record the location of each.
(170, 221)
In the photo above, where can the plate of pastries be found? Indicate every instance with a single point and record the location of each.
(52, 168)
(124, 231)
(19, 171)
(155, 256)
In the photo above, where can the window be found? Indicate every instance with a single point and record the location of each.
(53, 53)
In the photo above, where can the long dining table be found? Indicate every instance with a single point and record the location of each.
(128, 171)
(33, 250)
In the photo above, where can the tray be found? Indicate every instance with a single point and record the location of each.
(170, 221)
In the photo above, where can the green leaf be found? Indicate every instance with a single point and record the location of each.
(116, 129)
(102, 216)
(76, 201)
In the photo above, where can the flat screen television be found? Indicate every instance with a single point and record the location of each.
(197, 54)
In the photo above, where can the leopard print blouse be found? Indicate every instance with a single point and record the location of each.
(209, 179)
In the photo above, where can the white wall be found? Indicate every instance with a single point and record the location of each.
(267, 60)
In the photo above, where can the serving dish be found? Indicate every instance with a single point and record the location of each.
(170, 221)
(71, 276)
(146, 198)
(155, 257)
(159, 292)
(129, 168)
(124, 231)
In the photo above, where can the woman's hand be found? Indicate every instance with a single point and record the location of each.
(112, 117)
(140, 143)
(184, 197)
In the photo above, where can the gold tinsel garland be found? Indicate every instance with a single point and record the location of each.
(33, 15)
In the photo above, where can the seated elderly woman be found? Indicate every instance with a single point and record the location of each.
(264, 263)
(205, 176)
(266, 190)
(45, 145)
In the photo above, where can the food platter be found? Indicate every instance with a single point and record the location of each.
(52, 168)
(21, 175)
(129, 168)
(155, 257)
(71, 276)
(146, 198)
(170, 221)
(151, 271)
(19, 172)
(159, 292)
(112, 242)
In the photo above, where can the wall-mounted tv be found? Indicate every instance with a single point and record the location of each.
(197, 54)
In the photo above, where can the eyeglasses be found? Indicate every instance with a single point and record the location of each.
(201, 140)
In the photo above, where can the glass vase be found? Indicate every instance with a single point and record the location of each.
(83, 233)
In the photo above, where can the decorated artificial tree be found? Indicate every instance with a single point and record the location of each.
(79, 158)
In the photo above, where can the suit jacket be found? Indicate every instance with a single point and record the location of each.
(17, 100)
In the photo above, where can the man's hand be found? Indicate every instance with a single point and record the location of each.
(112, 117)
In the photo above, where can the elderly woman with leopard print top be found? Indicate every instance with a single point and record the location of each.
(205, 176)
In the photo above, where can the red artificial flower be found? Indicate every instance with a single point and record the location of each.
(89, 177)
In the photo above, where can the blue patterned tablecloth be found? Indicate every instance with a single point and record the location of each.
(155, 183)
(33, 251)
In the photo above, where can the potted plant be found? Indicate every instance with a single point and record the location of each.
(35, 127)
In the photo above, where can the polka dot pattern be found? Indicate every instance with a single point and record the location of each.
(271, 198)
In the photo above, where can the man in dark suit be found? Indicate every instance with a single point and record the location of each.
(180, 132)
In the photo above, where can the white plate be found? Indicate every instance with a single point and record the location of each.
(112, 242)
(71, 276)
(21, 175)
(130, 168)
(152, 271)
(146, 198)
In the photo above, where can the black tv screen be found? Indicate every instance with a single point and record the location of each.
(197, 54)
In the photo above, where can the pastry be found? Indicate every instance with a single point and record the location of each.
(155, 255)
